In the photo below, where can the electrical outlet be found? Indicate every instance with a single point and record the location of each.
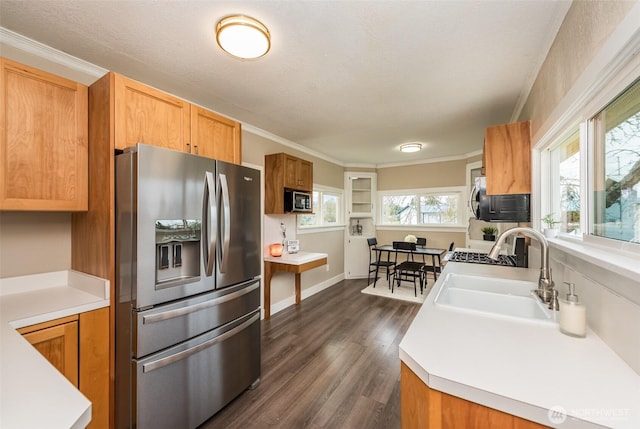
(327, 267)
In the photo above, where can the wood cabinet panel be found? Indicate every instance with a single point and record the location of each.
(215, 136)
(94, 364)
(274, 184)
(424, 408)
(97, 255)
(57, 341)
(43, 151)
(507, 158)
(147, 115)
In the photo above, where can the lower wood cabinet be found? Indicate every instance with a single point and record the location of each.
(57, 341)
(424, 408)
(78, 346)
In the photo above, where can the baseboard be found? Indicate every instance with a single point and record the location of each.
(306, 293)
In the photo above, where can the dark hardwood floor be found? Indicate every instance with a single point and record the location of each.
(331, 362)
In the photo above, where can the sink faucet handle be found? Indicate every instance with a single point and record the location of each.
(553, 302)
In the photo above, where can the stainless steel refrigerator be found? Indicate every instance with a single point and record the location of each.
(187, 286)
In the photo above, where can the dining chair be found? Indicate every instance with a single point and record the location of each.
(376, 262)
(421, 242)
(408, 270)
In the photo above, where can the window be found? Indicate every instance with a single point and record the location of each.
(327, 209)
(616, 190)
(565, 184)
(422, 207)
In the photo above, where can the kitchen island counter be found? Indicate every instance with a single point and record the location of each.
(525, 368)
(33, 394)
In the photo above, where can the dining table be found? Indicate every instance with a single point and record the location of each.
(435, 253)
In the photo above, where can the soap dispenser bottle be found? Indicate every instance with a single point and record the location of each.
(573, 315)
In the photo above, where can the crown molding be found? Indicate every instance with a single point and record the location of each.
(41, 50)
(266, 134)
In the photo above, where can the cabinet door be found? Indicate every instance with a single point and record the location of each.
(291, 172)
(43, 151)
(305, 175)
(356, 258)
(215, 136)
(57, 341)
(507, 159)
(146, 115)
(298, 173)
(361, 189)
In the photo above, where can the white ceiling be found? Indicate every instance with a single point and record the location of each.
(348, 79)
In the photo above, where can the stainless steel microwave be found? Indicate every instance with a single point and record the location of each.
(297, 201)
(499, 208)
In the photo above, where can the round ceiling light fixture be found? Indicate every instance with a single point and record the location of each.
(410, 147)
(243, 37)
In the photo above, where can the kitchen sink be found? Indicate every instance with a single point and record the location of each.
(494, 296)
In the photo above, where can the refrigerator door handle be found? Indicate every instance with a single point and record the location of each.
(179, 312)
(225, 223)
(208, 233)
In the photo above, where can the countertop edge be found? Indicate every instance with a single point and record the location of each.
(295, 258)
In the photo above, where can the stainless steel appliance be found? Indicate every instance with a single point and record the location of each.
(482, 258)
(188, 287)
(297, 201)
(498, 208)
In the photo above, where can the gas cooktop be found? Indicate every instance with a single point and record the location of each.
(482, 258)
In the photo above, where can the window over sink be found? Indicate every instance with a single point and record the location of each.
(616, 191)
(565, 184)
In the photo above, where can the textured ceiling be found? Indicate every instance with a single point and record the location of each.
(348, 79)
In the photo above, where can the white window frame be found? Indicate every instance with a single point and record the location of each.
(554, 181)
(462, 217)
(321, 227)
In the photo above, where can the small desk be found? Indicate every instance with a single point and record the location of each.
(433, 252)
(291, 263)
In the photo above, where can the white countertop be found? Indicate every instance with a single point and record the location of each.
(520, 367)
(33, 394)
(295, 258)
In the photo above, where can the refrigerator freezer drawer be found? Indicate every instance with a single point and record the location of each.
(173, 323)
(185, 385)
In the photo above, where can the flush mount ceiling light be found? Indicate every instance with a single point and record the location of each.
(243, 37)
(410, 147)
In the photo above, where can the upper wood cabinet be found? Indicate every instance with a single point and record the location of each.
(298, 173)
(215, 136)
(507, 158)
(43, 147)
(147, 115)
(283, 171)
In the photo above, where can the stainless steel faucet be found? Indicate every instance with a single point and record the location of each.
(545, 284)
